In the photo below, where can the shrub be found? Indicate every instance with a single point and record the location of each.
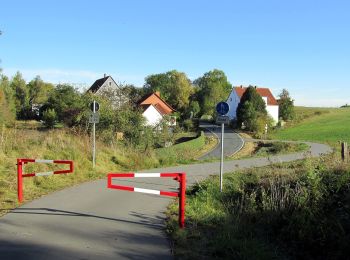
(50, 118)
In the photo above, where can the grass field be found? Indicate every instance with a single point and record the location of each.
(318, 124)
(28, 141)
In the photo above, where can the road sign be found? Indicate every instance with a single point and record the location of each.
(222, 108)
(94, 118)
(222, 120)
(97, 106)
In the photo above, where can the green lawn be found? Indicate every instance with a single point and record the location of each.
(322, 125)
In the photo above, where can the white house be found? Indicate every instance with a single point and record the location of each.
(155, 108)
(237, 93)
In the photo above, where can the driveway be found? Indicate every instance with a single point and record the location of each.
(232, 141)
(89, 221)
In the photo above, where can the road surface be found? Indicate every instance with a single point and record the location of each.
(89, 221)
(232, 141)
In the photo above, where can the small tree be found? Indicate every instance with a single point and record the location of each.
(50, 118)
(251, 108)
(286, 106)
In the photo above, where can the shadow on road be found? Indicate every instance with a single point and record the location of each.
(56, 212)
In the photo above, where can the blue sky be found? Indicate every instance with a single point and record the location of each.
(300, 45)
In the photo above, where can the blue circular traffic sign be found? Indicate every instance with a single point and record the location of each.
(222, 108)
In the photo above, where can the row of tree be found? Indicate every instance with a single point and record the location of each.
(62, 103)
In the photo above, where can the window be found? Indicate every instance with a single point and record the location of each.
(110, 83)
(230, 99)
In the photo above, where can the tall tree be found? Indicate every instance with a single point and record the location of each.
(286, 106)
(213, 87)
(7, 103)
(174, 87)
(38, 90)
(19, 87)
(67, 103)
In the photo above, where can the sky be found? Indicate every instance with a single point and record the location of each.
(300, 45)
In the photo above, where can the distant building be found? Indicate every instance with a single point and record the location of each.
(237, 93)
(109, 89)
(155, 108)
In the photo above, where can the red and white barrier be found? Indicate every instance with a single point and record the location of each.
(180, 177)
(20, 175)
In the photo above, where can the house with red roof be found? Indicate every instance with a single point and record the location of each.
(155, 108)
(237, 93)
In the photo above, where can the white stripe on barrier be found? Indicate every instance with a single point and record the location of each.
(144, 175)
(44, 173)
(43, 161)
(157, 192)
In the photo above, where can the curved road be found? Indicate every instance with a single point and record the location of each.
(232, 141)
(89, 221)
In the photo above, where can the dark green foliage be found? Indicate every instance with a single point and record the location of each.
(295, 212)
(286, 106)
(67, 103)
(49, 117)
(213, 87)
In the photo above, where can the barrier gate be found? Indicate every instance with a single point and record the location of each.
(180, 177)
(20, 175)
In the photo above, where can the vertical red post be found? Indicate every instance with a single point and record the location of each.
(19, 180)
(182, 200)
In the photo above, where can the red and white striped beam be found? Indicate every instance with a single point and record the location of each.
(25, 161)
(142, 175)
(181, 194)
(20, 175)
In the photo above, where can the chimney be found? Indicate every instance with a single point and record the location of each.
(105, 75)
(255, 87)
(241, 86)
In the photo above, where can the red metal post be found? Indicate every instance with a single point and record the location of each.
(182, 200)
(19, 180)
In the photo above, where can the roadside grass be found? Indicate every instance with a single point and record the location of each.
(297, 210)
(325, 125)
(266, 148)
(182, 153)
(29, 140)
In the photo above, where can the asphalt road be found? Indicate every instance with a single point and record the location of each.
(89, 221)
(232, 141)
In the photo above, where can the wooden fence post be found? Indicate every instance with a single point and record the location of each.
(344, 151)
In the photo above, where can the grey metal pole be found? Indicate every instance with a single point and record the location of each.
(94, 139)
(222, 155)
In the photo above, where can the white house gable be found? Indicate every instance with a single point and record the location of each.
(152, 115)
(233, 101)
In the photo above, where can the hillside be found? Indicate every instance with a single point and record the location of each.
(326, 125)
(65, 144)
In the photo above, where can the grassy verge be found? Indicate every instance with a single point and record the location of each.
(182, 153)
(291, 211)
(29, 141)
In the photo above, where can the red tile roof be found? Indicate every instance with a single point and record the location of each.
(155, 100)
(264, 92)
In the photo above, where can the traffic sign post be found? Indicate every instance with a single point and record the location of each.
(222, 108)
(94, 119)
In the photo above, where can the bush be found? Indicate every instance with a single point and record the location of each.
(188, 125)
(50, 118)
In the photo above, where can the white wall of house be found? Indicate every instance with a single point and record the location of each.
(152, 115)
(233, 101)
(273, 112)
